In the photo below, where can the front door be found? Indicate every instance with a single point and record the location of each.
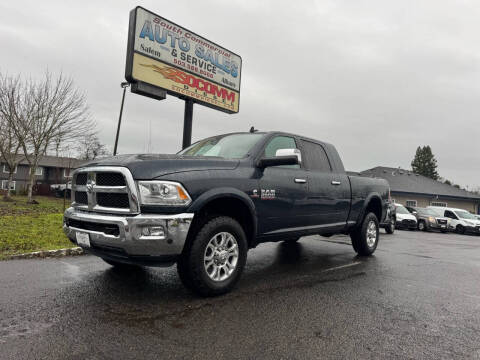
(282, 193)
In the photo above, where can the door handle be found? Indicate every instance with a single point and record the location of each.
(335, 182)
(300, 181)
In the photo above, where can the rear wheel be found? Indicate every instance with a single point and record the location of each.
(365, 237)
(214, 261)
(390, 228)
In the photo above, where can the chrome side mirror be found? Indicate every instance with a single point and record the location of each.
(290, 152)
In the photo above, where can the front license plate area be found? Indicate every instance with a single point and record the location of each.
(83, 239)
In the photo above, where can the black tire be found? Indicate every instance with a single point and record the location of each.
(191, 268)
(443, 231)
(422, 226)
(359, 236)
(460, 229)
(390, 228)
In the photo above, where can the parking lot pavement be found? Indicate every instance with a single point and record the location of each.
(417, 297)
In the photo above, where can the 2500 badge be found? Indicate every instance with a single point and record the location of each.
(264, 194)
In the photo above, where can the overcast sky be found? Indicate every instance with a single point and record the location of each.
(375, 78)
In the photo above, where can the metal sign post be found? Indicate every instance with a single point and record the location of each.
(187, 123)
(124, 85)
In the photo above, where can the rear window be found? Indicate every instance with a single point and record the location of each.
(316, 157)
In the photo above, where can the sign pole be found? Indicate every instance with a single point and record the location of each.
(187, 123)
(124, 85)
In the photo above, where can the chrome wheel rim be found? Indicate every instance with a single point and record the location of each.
(221, 256)
(371, 234)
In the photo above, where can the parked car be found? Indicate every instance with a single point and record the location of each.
(206, 206)
(389, 223)
(429, 219)
(60, 189)
(460, 221)
(404, 219)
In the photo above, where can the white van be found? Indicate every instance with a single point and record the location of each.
(460, 220)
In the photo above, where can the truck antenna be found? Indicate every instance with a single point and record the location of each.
(252, 129)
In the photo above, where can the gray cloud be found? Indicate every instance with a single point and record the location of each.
(376, 78)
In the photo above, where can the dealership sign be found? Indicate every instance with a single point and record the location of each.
(163, 54)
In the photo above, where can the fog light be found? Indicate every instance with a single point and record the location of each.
(153, 231)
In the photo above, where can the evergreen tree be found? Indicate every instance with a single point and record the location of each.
(424, 163)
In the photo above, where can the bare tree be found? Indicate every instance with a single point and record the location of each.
(10, 97)
(55, 113)
(90, 148)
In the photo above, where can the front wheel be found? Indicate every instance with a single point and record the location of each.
(422, 226)
(365, 237)
(212, 264)
(460, 229)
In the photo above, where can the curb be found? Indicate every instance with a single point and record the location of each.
(48, 253)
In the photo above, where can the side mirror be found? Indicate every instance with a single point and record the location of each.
(282, 157)
(414, 212)
(290, 152)
(277, 161)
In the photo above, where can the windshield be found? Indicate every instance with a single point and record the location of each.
(465, 215)
(401, 209)
(436, 212)
(234, 146)
(429, 212)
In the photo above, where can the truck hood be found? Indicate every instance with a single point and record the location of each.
(150, 166)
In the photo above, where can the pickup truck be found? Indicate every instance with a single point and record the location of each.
(206, 206)
(60, 189)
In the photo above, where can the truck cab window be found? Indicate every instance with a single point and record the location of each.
(316, 157)
(281, 142)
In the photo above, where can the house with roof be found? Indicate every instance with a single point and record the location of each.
(410, 189)
(50, 170)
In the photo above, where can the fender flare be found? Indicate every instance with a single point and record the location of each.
(226, 192)
(367, 201)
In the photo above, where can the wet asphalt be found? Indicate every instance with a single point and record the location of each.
(418, 297)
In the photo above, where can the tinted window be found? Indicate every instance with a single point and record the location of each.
(281, 142)
(450, 214)
(316, 157)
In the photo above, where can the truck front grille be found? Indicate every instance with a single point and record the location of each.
(81, 179)
(109, 229)
(110, 179)
(81, 197)
(105, 189)
(113, 200)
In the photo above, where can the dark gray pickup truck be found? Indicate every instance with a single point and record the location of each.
(206, 206)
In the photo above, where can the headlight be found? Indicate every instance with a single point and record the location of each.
(431, 219)
(165, 193)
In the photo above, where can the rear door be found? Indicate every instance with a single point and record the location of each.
(328, 189)
(282, 193)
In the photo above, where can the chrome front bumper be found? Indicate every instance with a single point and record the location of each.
(129, 239)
